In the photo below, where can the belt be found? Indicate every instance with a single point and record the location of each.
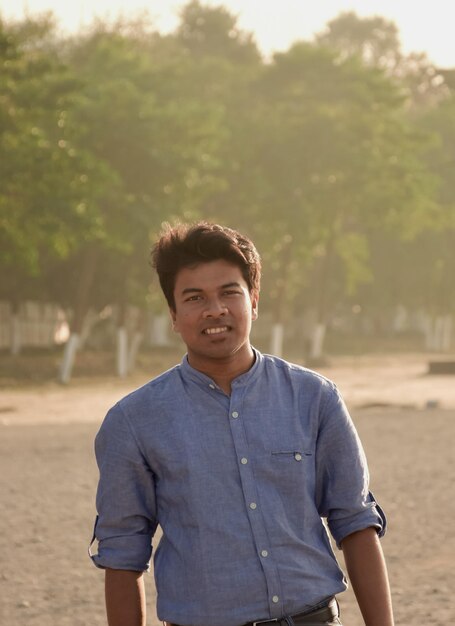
(321, 615)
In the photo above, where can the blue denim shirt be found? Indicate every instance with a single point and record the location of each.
(239, 484)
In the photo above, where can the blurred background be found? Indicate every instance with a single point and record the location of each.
(335, 154)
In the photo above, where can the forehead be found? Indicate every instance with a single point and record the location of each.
(211, 275)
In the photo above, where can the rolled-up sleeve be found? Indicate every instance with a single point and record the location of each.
(342, 478)
(125, 498)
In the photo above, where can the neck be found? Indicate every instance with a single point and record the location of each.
(224, 371)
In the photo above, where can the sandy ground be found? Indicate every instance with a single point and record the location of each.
(48, 478)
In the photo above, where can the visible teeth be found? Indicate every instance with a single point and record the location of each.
(215, 331)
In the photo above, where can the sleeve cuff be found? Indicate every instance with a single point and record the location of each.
(371, 516)
(131, 552)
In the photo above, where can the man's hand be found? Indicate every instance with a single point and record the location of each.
(125, 598)
(368, 574)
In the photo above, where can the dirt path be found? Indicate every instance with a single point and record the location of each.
(48, 479)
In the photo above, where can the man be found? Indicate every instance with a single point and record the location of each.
(238, 457)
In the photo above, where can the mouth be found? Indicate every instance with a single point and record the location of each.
(215, 330)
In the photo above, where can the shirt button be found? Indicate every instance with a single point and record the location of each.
(297, 456)
(234, 414)
(275, 599)
(253, 505)
(264, 553)
(244, 461)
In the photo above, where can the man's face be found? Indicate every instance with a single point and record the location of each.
(213, 313)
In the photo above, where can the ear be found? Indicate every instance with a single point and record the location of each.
(173, 320)
(254, 305)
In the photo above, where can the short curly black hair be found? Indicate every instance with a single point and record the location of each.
(187, 245)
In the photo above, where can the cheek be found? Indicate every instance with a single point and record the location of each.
(247, 314)
(186, 321)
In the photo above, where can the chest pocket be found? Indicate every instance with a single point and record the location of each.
(289, 455)
(293, 470)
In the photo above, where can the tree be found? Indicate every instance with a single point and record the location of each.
(337, 158)
(376, 42)
(44, 182)
(154, 142)
(210, 32)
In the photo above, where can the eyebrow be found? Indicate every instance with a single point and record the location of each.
(191, 290)
(198, 290)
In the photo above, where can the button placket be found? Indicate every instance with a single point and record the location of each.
(252, 503)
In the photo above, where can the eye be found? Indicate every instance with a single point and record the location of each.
(231, 292)
(194, 298)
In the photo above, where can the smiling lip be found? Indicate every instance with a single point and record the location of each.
(215, 330)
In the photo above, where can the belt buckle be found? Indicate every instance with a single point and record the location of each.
(274, 620)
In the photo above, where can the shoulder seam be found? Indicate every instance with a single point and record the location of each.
(282, 364)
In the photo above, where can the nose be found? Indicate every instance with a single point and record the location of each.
(215, 308)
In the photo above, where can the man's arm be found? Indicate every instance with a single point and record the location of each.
(125, 598)
(368, 574)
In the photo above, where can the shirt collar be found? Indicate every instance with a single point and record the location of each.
(196, 376)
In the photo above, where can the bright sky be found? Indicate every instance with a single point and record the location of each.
(425, 26)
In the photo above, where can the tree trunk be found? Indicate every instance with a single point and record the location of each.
(90, 319)
(318, 336)
(160, 330)
(281, 302)
(136, 341)
(122, 352)
(135, 344)
(317, 341)
(15, 330)
(446, 338)
(122, 341)
(82, 299)
(428, 331)
(69, 355)
(438, 332)
(277, 338)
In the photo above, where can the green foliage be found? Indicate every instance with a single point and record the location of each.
(315, 154)
(47, 199)
(375, 41)
(213, 32)
(337, 158)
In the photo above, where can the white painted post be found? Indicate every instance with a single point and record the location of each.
(317, 341)
(446, 333)
(428, 331)
(134, 349)
(438, 332)
(69, 355)
(122, 352)
(50, 316)
(89, 321)
(15, 334)
(276, 341)
(309, 321)
(400, 319)
(160, 330)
